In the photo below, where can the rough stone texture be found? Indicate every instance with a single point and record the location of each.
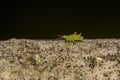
(90, 59)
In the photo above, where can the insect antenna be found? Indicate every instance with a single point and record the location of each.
(75, 33)
(60, 36)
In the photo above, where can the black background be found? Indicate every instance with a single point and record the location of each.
(46, 20)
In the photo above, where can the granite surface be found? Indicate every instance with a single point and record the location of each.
(90, 59)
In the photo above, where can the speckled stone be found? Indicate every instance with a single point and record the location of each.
(90, 59)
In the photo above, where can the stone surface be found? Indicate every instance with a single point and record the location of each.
(90, 59)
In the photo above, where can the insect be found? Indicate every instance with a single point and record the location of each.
(73, 37)
(37, 58)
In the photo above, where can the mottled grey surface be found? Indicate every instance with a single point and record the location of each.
(90, 59)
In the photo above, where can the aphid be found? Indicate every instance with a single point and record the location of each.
(73, 37)
(37, 58)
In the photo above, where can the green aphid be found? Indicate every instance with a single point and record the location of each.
(37, 58)
(73, 37)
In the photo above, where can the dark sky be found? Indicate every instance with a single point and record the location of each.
(48, 19)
